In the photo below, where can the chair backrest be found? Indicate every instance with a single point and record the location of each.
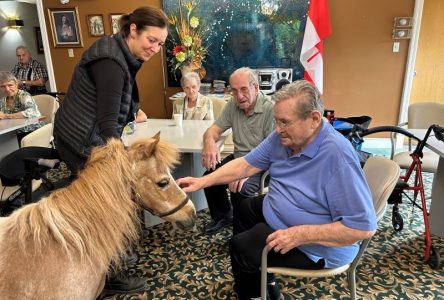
(41, 137)
(218, 106)
(382, 175)
(47, 105)
(422, 115)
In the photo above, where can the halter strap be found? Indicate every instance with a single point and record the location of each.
(167, 213)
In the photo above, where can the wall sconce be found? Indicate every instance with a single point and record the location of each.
(15, 24)
(402, 28)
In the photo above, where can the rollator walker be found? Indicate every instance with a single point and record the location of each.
(356, 135)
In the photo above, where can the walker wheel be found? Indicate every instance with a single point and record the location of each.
(397, 221)
(434, 259)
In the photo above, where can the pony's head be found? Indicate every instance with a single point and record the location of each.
(151, 161)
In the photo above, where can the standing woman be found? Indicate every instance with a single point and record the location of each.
(194, 106)
(103, 97)
(17, 104)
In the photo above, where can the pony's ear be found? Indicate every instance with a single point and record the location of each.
(149, 150)
(145, 148)
(157, 136)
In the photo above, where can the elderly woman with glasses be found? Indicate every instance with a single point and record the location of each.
(194, 106)
(17, 104)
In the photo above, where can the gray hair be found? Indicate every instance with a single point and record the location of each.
(6, 76)
(23, 48)
(188, 76)
(252, 74)
(310, 99)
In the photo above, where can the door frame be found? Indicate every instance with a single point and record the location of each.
(46, 48)
(411, 60)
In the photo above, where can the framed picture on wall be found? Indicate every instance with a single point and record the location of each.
(114, 20)
(65, 27)
(95, 25)
(38, 40)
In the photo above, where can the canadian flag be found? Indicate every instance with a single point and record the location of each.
(317, 28)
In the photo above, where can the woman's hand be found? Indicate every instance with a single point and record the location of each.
(141, 116)
(2, 115)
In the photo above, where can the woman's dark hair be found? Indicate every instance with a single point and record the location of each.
(143, 16)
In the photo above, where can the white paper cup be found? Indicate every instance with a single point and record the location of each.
(178, 120)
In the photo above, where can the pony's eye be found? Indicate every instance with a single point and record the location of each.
(163, 183)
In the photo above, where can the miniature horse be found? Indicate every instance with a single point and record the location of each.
(62, 246)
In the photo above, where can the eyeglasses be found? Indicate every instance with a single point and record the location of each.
(283, 124)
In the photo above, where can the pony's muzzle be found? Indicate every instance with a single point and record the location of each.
(188, 223)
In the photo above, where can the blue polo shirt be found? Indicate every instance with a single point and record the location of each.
(322, 184)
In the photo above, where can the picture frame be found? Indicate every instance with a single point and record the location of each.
(38, 40)
(95, 25)
(65, 27)
(114, 21)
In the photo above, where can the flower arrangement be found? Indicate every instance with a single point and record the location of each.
(187, 36)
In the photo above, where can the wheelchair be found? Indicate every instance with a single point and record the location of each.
(21, 167)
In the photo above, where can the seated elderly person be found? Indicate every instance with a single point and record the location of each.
(318, 207)
(194, 106)
(17, 104)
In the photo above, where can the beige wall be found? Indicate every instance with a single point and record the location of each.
(362, 75)
(12, 38)
(428, 84)
(149, 78)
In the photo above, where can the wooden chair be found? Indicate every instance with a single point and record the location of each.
(382, 175)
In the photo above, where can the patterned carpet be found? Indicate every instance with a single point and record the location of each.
(193, 265)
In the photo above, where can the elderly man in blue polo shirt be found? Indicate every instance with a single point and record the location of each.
(318, 206)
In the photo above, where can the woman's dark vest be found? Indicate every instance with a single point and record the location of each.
(75, 122)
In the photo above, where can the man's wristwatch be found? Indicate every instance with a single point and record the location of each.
(23, 82)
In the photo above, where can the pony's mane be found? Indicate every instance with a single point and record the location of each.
(100, 197)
